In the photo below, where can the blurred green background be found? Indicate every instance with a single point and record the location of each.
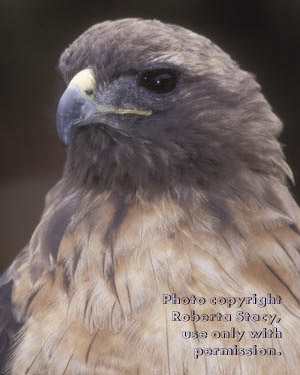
(262, 35)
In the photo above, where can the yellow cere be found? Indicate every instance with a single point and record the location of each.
(85, 80)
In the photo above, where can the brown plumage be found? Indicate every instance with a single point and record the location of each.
(174, 183)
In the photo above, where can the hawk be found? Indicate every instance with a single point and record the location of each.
(175, 185)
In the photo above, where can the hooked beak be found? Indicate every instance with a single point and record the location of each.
(78, 106)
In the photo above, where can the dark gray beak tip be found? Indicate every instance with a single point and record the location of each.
(61, 129)
(69, 113)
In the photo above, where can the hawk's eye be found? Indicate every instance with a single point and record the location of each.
(160, 81)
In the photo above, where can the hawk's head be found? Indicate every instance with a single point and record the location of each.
(152, 108)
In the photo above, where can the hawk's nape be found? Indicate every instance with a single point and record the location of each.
(174, 184)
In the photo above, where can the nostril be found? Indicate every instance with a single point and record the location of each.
(89, 92)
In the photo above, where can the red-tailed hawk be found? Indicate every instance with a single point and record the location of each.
(174, 187)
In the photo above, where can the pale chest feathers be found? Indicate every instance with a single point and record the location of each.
(97, 308)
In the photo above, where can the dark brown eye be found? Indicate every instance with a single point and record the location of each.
(160, 81)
